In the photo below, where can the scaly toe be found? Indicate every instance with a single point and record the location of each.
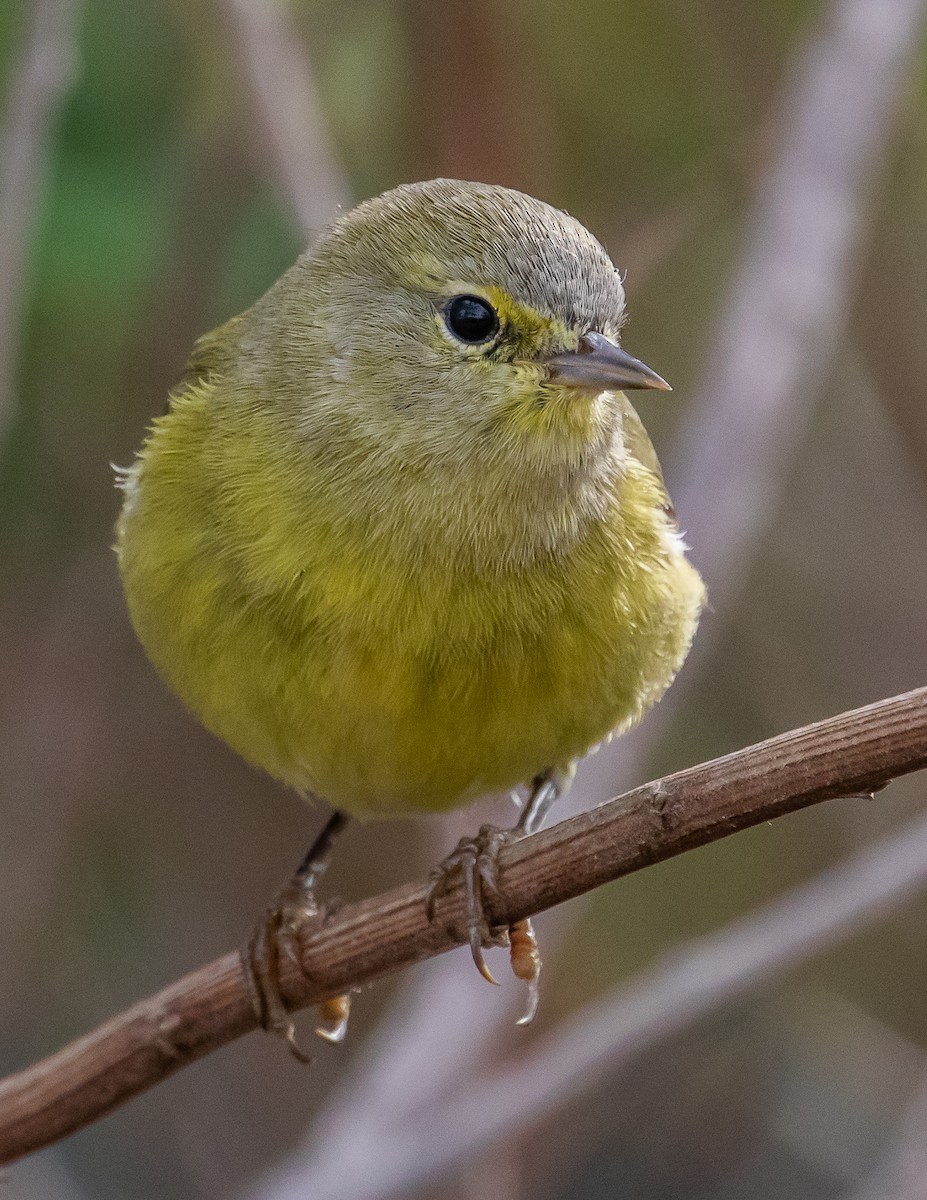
(296, 908)
(477, 927)
(261, 967)
(277, 934)
(475, 860)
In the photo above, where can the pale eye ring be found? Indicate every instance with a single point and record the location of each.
(471, 319)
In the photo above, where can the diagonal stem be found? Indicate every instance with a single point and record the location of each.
(858, 752)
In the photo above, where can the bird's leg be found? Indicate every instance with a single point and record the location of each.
(278, 933)
(475, 859)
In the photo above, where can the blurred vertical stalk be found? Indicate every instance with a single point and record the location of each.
(778, 330)
(39, 80)
(785, 312)
(285, 102)
(787, 306)
(478, 110)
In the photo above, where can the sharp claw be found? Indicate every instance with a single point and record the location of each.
(476, 949)
(289, 1036)
(475, 860)
(475, 919)
(534, 995)
(336, 1034)
(334, 1014)
(276, 936)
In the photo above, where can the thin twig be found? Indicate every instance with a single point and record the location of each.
(40, 78)
(661, 1002)
(857, 752)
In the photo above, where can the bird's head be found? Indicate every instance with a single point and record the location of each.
(453, 314)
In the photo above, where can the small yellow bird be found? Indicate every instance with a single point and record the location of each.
(400, 539)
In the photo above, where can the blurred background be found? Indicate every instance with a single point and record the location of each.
(753, 1015)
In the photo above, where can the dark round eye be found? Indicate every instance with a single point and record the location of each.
(471, 319)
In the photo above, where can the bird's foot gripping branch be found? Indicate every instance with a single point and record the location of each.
(855, 753)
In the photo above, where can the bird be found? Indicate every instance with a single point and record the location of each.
(401, 540)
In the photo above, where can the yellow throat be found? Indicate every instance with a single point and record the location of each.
(392, 561)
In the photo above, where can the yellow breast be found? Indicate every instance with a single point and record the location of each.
(381, 684)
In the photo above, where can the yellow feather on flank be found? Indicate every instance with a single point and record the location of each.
(393, 568)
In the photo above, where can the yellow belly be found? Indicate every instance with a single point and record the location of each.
(385, 690)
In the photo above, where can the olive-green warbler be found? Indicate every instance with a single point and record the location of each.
(400, 539)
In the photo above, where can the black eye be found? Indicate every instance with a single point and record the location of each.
(471, 319)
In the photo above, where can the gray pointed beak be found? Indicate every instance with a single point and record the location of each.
(600, 365)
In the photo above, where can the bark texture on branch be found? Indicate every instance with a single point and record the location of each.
(778, 327)
(857, 752)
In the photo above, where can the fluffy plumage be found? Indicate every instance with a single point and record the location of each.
(393, 569)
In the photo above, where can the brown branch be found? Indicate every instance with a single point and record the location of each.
(597, 1043)
(857, 752)
(778, 325)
